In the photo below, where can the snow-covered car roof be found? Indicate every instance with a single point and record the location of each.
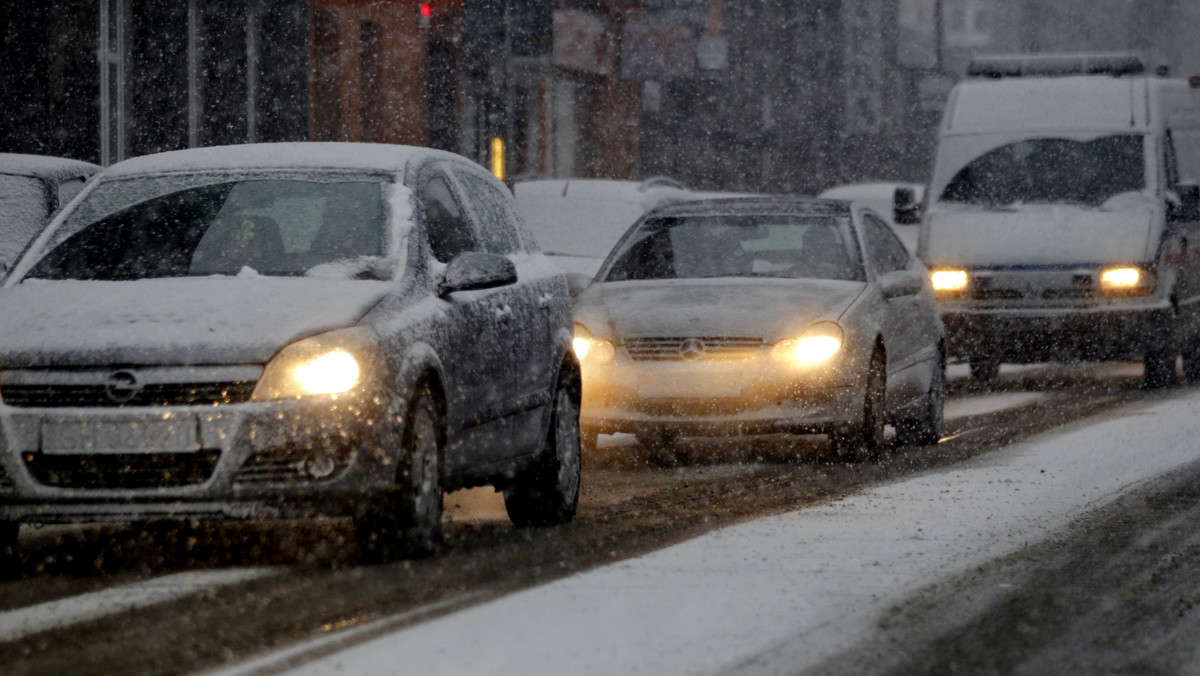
(782, 204)
(45, 166)
(316, 155)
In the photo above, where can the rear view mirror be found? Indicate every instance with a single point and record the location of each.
(906, 210)
(1188, 206)
(473, 270)
(901, 283)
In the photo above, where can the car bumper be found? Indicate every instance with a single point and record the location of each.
(715, 399)
(1057, 335)
(253, 460)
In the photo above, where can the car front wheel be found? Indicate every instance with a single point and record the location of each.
(407, 523)
(863, 440)
(547, 493)
(926, 429)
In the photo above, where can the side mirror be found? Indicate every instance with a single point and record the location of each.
(473, 270)
(577, 282)
(1188, 206)
(906, 210)
(901, 283)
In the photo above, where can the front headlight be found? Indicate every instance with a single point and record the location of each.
(949, 283)
(1126, 280)
(817, 345)
(328, 364)
(592, 350)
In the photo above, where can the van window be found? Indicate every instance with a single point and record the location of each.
(1052, 170)
(1187, 152)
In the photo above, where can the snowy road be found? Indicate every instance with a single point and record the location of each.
(782, 594)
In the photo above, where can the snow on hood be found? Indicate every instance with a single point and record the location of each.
(1036, 235)
(741, 307)
(209, 320)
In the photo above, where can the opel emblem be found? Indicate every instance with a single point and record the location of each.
(691, 348)
(122, 386)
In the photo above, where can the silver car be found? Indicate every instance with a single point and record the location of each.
(762, 315)
(287, 330)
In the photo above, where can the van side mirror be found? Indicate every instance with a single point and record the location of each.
(1187, 208)
(906, 210)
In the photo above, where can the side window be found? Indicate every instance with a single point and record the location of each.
(445, 223)
(496, 223)
(887, 254)
(1187, 151)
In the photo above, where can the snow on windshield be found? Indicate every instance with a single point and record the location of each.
(218, 225)
(737, 246)
(1049, 170)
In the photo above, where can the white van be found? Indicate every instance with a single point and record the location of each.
(1062, 222)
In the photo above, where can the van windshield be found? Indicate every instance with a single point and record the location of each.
(1049, 170)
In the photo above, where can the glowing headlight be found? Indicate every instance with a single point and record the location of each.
(591, 349)
(331, 363)
(816, 345)
(1126, 280)
(949, 282)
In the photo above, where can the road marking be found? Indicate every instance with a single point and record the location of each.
(22, 622)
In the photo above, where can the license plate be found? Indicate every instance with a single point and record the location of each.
(689, 384)
(72, 436)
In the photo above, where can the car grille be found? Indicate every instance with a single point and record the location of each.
(680, 348)
(122, 470)
(167, 394)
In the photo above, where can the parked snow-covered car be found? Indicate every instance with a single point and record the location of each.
(287, 330)
(761, 315)
(32, 187)
(898, 204)
(577, 221)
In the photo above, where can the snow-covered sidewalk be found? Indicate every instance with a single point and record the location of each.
(792, 590)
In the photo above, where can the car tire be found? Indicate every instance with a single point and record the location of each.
(985, 369)
(863, 440)
(926, 429)
(9, 534)
(547, 494)
(1159, 368)
(1191, 361)
(407, 522)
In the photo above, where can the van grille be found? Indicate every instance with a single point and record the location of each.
(122, 470)
(166, 394)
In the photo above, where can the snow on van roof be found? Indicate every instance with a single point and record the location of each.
(1074, 103)
(364, 156)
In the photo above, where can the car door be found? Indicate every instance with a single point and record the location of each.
(474, 343)
(905, 334)
(524, 313)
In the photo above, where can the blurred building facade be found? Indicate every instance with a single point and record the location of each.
(748, 95)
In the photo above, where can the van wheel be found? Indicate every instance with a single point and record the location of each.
(9, 534)
(547, 494)
(407, 523)
(926, 429)
(985, 369)
(1191, 362)
(1159, 368)
(862, 441)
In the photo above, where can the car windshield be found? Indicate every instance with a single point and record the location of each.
(690, 247)
(206, 225)
(1047, 170)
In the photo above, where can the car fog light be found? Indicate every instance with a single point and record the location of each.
(949, 283)
(1126, 281)
(319, 466)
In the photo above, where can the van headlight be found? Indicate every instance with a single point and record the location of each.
(817, 345)
(327, 364)
(1126, 280)
(590, 349)
(949, 282)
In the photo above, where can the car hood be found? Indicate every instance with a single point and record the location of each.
(742, 307)
(1047, 235)
(172, 321)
